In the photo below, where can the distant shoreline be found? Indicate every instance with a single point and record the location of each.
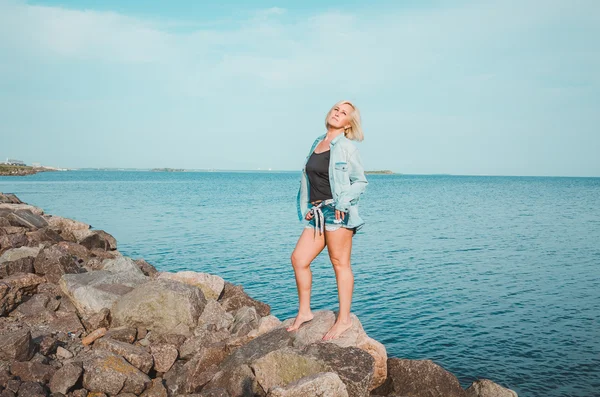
(21, 170)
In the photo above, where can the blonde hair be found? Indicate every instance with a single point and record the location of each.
(355, 132)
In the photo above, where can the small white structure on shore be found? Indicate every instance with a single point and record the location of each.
(13, 162)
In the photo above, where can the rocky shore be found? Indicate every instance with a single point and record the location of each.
(15, 170)
(78, 318)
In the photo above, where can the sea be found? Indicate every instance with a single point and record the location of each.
(488, 276)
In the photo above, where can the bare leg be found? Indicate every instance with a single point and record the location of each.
(307, 249)
(339, 245)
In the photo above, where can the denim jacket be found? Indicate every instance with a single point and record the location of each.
(346, 178)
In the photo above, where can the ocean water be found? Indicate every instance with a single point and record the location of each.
(490, 277)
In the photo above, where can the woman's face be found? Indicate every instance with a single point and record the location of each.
(340, 116)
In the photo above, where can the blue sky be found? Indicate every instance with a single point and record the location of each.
(460, 87)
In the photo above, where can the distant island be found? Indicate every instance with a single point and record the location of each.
(20, 170)
(167, 169)
(383, 172)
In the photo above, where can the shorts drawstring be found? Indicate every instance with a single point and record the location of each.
(318, 216)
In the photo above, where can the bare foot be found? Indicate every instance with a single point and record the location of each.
(299, 320)
(337, 329)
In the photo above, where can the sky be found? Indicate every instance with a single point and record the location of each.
(454, 87)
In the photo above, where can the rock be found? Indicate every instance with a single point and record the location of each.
(356, 336)
(123, 334)
(164, 356)
(99, 333)
(91, 292)
(9, 198)
(65, 378)
(34, 306)
(53, 262)
(16, 345)
(13, 288)
(283, 366)
(245, 319)
(122, 264)
(15, 240)
(48, 345)
(105, 372)
(97, 320)
(63, 353)
(135, 355)
(160, 306)
(44, 236)
(26, 218)
(79, 393)
(487, 388)
(324, 384)
(156, 390)
(235, 374)
(31, 389)
(31, 371)
(92, 239)
(66, 226)
(357, 376)
(211, 285)
(13, 385)
(265, 324)
(419, 378)
(203, 339)
(146, 268)
(214, 313)
(234, 297)
(18, 260)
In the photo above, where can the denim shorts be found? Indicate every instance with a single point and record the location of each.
(331, 224)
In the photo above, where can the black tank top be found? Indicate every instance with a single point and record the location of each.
(317, 170)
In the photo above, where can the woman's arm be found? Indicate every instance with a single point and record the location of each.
(358, 183)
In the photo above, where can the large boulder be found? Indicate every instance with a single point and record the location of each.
(54, 261)
(32, 371)
(324, 384)
(419, 378)
(18, 260)
(211, 285)
(193, 375)
(233, 298)
(91, 292)
(66, 226)
(92, 239)
(314, 330)
(65, 378)
(14, 288)
(160, 306)
(12, 207)
(235, 374)
(9, 198)
(354, 366)
(487, 388)
(16, 345)
(214, 316)
(27, 218)
(122, 264)
(135, 355)
(106, 372)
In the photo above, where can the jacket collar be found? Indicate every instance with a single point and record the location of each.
(334, 140)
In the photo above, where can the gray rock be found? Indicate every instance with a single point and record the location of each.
(18, 260)
(210, 284)
(97, 320)
(91, 292)
(122, 264)
(487, 388)
(31, 389)
(63, 353)
(233, 297)
(160, 306)
(146, 268)
(53, 262)
(66, 226)
(215, 314)
(44, 236)
(26, 218)
(202, 339)
(235, 374)
(245, 319)
(419, 378)
(105, 372)
(156, 390)
(16, 345)
(357, 376)
(65, 378)
(135, 355)
(324, 384)
(283, 366)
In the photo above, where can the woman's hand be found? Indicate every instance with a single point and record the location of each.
(339, 215)
(309, 216)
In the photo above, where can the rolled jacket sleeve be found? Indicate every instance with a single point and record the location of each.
(358, 183)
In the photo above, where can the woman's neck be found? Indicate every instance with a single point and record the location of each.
(333, 132)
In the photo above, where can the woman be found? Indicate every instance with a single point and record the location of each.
(332, 181)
